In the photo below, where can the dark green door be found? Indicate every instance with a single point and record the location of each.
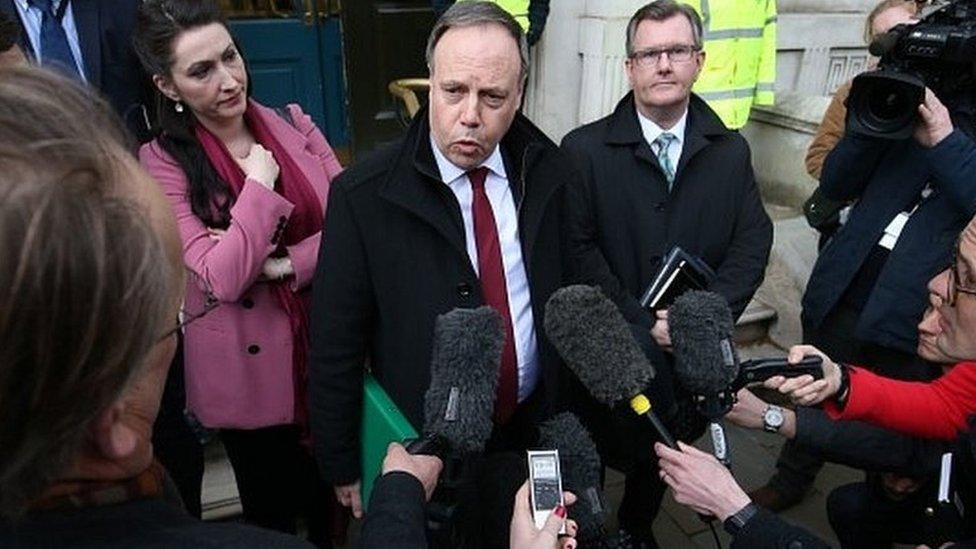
(384, 41)
(294, 53)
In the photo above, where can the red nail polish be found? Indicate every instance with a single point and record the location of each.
(560, 511)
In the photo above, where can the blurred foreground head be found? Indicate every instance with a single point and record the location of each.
(89, 283)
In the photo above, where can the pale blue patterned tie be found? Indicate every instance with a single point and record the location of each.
(663, 143)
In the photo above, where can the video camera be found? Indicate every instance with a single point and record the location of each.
(938, 52)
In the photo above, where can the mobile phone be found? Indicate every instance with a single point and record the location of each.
(545, 485)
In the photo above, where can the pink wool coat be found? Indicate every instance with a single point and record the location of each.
(239, 355)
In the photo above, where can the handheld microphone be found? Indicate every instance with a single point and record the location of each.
(706, 363)
(594, 339)
(581, 469)
(460, 399)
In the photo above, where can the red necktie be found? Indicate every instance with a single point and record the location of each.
(494, 291)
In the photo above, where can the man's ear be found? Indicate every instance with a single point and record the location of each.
(111, 437)
(166, 87)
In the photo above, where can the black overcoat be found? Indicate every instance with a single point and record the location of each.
(393, 257)
(627, 214)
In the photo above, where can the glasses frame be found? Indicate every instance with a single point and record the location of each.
(186, 318)
(953, 287)
(652, 56)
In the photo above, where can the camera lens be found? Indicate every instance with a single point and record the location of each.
(884, 104)
(889, 105)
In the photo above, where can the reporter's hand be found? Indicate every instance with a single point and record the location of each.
(660, 331)
(260, 165)
(805, 390)
(524, 535)
(749, 410)
(426, 469)
(934, 123)
(349, 496)
(699, 481)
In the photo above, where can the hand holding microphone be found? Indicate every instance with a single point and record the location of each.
(700, 481)
(807, 390)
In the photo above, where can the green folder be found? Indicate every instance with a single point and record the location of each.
(383, 423)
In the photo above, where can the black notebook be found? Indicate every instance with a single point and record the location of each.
(679, 272)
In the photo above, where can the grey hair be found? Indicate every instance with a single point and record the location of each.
(659, 10)
(473, 14)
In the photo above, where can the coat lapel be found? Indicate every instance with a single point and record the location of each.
(411, 184)
(89, 38)
(292, 139)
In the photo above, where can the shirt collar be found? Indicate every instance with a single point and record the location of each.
(25, 4)
(652, 131)
(450, 172)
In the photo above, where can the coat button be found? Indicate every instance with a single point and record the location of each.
(464, 289)
(660, 206)
(247, 303)
(253, 349)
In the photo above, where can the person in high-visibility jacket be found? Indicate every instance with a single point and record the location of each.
(740, 56)
(530, 14)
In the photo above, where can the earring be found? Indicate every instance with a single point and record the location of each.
(178, 107)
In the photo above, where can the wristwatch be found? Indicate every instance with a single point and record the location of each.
(735, 523)
(772, 419)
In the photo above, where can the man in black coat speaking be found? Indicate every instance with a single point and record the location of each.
(662, 170)
(464, 211)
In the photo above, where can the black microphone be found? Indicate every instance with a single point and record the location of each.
(706, 363)
(581, 470)
(595, 341)
(460, 399)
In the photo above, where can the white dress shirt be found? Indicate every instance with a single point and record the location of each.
(516, 282)
(32, 17)
(652, 131)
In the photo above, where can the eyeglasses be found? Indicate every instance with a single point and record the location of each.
(953, 287)
(676, 54)
(186, 318)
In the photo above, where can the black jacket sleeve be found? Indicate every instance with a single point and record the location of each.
(849, 166)
(863, 446)
(767, 531)
(397, 513)
(744, 267)
(342, 311)
(538, 13)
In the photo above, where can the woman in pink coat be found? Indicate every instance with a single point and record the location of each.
(249, 187)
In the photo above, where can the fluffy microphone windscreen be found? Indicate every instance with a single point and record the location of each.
(595, 341)
(700, 325)
(465, 358)
(581, 469)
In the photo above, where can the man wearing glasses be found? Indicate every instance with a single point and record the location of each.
(662, 171)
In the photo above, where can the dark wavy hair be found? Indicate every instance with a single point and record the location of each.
(158, 25)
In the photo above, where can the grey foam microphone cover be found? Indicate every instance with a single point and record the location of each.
(580, 467)
(593, 338)
(701, 328)
(464, 369)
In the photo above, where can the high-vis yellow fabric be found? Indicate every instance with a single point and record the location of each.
(519, 9)
(740, 56)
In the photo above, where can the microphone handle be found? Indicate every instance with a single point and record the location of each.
(642, 407)
(760, 369)
(430, 444)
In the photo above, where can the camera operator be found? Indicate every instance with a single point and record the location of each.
(867, 289)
